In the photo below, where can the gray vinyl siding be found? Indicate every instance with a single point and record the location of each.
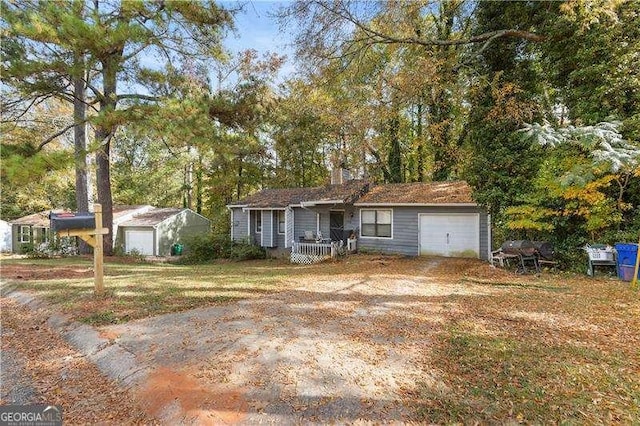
(178, 229)
(305, 220)
(239, 224)
(405, 230)
(267, 227)
(351, 221)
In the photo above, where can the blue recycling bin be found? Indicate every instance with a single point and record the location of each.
(627, 254)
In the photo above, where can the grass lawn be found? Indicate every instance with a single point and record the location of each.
(536, 355)
(138, 289)
(558, 348)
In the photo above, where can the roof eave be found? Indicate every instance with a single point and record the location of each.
(416, 204)
(246, 208)
(320, 202)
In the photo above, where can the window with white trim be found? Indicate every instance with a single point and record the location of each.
(281, 223)
(24, 234)
(375, 223)
(259, 221)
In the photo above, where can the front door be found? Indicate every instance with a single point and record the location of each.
(336, 225)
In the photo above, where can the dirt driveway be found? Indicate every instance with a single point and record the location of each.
(328, 351)
(370, 340)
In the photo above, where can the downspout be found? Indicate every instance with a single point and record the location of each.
(262, 230)
(286, 228)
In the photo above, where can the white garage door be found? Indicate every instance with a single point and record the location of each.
(452, 235)
(141, 241)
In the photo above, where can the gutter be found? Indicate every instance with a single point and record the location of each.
(247, 208)
(417, 204)
(306, 204)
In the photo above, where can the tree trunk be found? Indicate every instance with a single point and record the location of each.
(103, 137)
(420, 148)
(103, 184)
(187, 185)
(79, 130)
(394, 159)
(199, 186)
(239, 182)
(80, 145)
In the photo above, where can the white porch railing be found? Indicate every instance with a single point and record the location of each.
(308, 253)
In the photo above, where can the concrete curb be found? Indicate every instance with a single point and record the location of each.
(111, 358)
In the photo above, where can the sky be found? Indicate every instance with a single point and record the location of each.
(257, 29)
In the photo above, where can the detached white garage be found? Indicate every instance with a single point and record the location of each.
(154, 232)
(139, 241)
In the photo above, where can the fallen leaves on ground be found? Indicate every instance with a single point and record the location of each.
(383, 338)
(62, 376)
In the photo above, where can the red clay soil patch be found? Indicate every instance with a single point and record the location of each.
(433, 267)
(110, 335)
(175, 396)
(35, 272)
(62, 376)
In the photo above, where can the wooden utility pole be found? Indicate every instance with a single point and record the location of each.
(98, 256)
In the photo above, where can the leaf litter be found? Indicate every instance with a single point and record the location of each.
(410, 340)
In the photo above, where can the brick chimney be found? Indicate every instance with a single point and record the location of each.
(336, 176)
(340, 175)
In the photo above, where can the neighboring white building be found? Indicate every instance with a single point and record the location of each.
(5, 236)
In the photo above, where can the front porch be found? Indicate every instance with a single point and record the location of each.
(313, 252)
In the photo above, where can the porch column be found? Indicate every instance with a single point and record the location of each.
(289, 226)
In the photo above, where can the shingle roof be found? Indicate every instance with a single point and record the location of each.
(152, 217)
(347, 193)
(41, 219)
(452, 192)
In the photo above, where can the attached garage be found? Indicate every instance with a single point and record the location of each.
(449, 234)
(431, 219)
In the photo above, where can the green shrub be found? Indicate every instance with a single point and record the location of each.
(204, 248)
(136, 256)
(247, 251)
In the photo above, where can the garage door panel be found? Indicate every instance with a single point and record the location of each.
(141, 241)
(432, 241)
(452, 235)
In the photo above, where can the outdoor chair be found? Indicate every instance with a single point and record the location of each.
(308, 237)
